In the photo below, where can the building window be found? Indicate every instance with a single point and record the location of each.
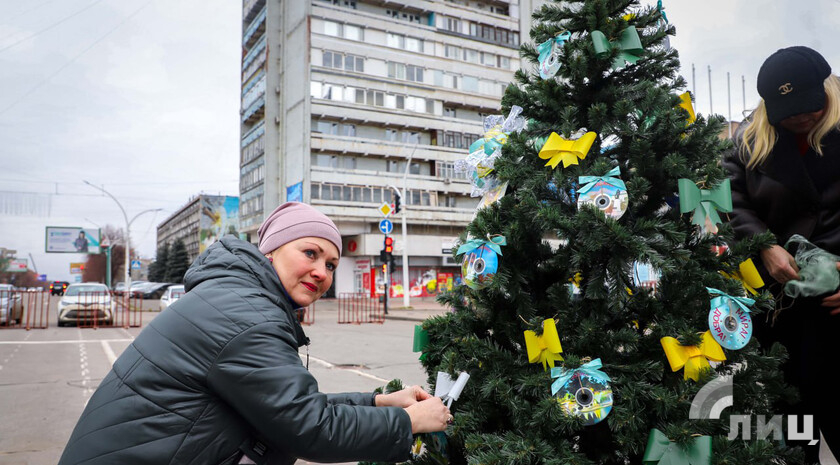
(341, 61)
(347, 31)
(453, 25)
(452, 51)
(471, 56)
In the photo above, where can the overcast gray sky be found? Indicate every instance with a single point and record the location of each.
(142, 96)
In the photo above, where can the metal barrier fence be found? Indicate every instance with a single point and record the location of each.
(306, 315)
(24, 309)
(358, 308)
(101, 310)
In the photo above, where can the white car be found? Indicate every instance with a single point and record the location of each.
(11, 305)
(172, 294)
(86, 303)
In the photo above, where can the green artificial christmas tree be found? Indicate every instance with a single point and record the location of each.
(598, 252)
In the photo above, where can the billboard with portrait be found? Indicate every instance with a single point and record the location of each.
(61, 239)
(219, 217)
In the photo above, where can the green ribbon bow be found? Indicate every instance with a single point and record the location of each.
(563, 375)
(662, 451)
(723, 299)
(421, 340)
(629, 45)
(705, 203)
(493, 244)
(608, 178)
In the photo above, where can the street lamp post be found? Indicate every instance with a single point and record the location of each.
(127, 234)
(406, 286)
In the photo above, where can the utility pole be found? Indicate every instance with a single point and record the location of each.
(127, 236)
(729, 105)
(711, 105)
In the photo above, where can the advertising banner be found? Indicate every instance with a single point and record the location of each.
(219, 217)
(18, 265)
(77, 268)
(72, 240)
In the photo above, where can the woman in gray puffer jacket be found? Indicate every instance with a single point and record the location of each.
(218, 375)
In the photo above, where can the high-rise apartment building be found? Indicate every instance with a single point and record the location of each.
(345, 102)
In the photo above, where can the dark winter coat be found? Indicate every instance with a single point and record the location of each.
(789, 193)
(218, 372)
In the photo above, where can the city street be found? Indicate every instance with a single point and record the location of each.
(47, 376)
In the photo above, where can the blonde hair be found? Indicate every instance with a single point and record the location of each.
(760, 136)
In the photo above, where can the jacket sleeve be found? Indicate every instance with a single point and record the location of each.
(352, 398)
(260, 375)
(744, 219)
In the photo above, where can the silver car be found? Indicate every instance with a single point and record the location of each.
(171, 294)
(86, 303)
(11, 305)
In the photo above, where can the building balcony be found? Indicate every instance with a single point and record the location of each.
(250, 9)
(254, 31)
(255, 52)
(333, 109)
(357, 145)
(255, 112)
(340, 211)
(323, 174)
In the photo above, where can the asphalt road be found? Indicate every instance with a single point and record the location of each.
(48, 375)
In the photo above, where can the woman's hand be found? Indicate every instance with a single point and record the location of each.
(833, 301)
(404, 398)
(428, 416)
(780, 264)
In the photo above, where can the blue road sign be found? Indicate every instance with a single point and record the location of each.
(386, 226)
(135, 265)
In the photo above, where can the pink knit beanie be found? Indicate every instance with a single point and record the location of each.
(294, 220)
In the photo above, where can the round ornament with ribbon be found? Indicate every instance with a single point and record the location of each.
(583, 392)
(608, 193)
(481, 261)
(729, 319)
(550, 52)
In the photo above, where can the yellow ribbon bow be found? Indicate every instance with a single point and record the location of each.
(694, 358)
(685, 102)
(545, 348)
(557, 148)
(748, 275)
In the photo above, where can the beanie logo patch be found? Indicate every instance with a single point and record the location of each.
(785, 88)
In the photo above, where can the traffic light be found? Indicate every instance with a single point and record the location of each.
(389, 245)
(397, 206)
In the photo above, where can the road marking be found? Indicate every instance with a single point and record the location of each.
(67, 341)
(329, 365)
(109, 352)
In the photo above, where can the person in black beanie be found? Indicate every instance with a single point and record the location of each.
(785, 178)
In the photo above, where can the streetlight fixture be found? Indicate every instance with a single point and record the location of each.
(406, 286)
(127, 234)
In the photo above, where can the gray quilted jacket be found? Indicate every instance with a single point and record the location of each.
(218, 374)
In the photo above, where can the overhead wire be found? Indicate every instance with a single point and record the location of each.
(72, 60)
(57, 23)
(24, 12)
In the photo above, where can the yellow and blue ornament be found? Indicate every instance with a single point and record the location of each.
(583, 392)
(608, 193)
(481, 261)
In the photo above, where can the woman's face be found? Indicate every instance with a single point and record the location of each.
(305, 267)
(802, 123)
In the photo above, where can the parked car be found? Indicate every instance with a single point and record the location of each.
(58, 287)
(11, 305)
(154, 291)
(86, 302)
(171, 294)
(119, 288)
